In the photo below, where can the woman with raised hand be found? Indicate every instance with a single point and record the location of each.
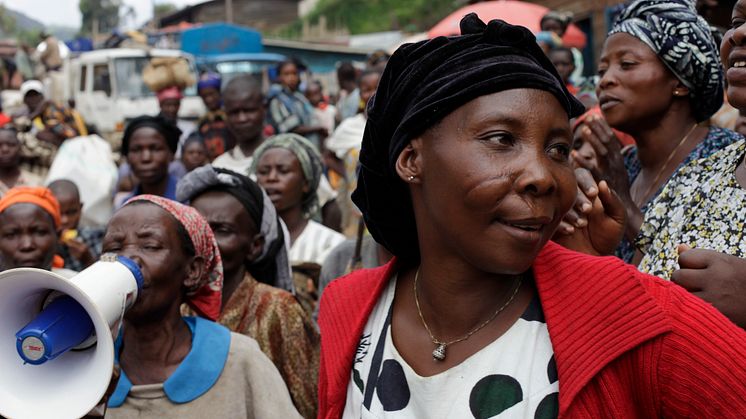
(661, 81)
(465, 175)
(693, 232)
(174, 366)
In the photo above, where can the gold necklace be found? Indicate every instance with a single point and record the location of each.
(439, 353)
(663, 168)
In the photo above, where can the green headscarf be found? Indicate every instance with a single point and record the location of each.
(310, 163)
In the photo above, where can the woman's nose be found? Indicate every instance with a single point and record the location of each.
(536, 179)
(606, 80)
(26, 243)
(131, 254)
(737, 37)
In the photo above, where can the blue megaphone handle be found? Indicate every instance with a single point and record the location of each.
(61, 326)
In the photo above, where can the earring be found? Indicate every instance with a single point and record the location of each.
(410, 178)
(678, 92)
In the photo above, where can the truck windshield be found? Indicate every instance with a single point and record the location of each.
(231, 69)
(128, 73)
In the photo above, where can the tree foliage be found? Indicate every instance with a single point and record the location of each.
(365, 16)
(164, 9)
(105, 12)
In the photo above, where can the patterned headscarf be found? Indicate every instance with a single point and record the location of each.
(684, 42)
(205, 297)
(273, 265)
(310, 162)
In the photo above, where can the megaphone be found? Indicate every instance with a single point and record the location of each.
(57, 336)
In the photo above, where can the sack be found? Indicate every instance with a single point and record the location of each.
(163, 72)
(88, 161)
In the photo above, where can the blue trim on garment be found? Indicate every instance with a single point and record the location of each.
(170, 189)
(196, 374)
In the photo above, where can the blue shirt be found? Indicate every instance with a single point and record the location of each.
(170, 190)
(198, 371)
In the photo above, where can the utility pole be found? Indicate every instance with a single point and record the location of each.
(229, 11)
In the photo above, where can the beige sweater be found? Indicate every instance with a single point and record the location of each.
(248, 387)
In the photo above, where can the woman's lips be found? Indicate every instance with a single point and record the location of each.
(736, 75)
(609, 103)
(527, 231)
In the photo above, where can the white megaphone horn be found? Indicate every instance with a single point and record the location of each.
(57, 336)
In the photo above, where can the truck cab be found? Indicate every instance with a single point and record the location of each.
(109, 91)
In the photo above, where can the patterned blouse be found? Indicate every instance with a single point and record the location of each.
(716, 139)
(284, 332)
(702, 206)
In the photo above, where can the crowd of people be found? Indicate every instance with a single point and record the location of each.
(465, 229)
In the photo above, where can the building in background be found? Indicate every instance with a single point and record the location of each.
(262, 15)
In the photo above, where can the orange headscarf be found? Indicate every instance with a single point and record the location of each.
(41, 197)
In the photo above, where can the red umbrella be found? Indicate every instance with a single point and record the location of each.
(511, 11)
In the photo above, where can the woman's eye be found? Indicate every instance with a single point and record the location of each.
(601, 72)
(735, 23)
(560, 151)
(625, 65)
(500, 138)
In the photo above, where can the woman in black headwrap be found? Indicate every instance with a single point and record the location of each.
(254, 251)
(464, 177)
(661, 81)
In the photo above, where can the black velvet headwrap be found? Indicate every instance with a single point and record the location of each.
(423, 83)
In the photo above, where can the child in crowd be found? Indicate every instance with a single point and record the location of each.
(79, 246)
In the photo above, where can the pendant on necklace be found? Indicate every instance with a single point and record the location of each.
(439, 353)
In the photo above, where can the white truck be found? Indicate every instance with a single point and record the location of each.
(108, 88)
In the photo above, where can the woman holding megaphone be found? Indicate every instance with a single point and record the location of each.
(174, 366)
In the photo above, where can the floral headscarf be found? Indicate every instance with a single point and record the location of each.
(205, 297)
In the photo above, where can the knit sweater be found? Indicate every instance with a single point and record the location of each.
(627, 345)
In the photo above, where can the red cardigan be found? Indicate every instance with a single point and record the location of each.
(627, 345)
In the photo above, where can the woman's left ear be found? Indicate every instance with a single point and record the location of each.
(680, 90)
(408, 164)
(194, 271)
(256, 247)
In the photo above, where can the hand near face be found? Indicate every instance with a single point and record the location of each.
(715, 277)
(602, 227)
(610, 167)
(577, 217)
(49, 137)
(80, 251)
(609, 160)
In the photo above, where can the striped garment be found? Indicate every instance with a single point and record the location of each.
(314, 244)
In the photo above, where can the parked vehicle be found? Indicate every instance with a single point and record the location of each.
(230, 50)
(108, 88)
